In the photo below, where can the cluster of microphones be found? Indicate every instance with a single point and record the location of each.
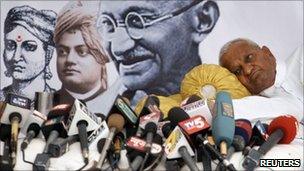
(196, 132)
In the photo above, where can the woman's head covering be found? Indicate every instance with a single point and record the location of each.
(78, 15)
(40, 23)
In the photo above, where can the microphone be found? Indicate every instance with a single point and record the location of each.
(177, 116)
(5, 132)
(199, 107)
(223, 124)
(85, 121)
(150, 130)
(243, 132)
(15, 112)
(101, 132)
(191, 99)
(116, 123)
(140, 149)
(51, 129)
(218, 155)
(122, 107)
(151, 105)
(259, 136)
(44, 102)
(6, 162)
(282, 129)
(60, 146)
(32, 132)
(166, 129)
(193, 126)
(177, 146)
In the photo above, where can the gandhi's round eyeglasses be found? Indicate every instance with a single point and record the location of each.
(134, 22)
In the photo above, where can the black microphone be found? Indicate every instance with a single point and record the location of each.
(282, 129)
(217, 154)
(151, 105)
(138, 157)
(195, 125)
(44, 102)
(53, 128)
(15, 112)
(60, 146)
(191, 99)
(85, 121)
(177, 116)
(259, 136)
(32, 132)
(6, 162)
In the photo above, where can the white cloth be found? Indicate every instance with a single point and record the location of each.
(285, 97)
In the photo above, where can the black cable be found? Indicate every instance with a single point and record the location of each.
(206, 159)
(26, 161)
(142, 166)
(85, 164)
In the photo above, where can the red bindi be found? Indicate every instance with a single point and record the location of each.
(19, 38)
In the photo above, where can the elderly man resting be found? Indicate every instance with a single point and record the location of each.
(257, 69)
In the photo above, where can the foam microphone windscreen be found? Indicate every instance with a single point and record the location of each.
(193, 98)
(152, 100)
(243, 128)
(100, 144)
(166, 129)
(158, 139)
(60, 110)
(34, 127)
(238, 143)
(5, 132)
(176, 115)
(117, 121)
(151, 127)
(288, 124)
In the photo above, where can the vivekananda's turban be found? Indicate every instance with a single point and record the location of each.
(81, 15)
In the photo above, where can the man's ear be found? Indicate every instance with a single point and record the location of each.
(205, 18)
(266, 50)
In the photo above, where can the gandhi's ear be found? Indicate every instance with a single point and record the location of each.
(205, 17)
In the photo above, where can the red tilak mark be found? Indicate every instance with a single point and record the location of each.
(19, 39)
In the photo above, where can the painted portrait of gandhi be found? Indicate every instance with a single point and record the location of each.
(155, 43)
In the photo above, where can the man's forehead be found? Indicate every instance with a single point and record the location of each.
(122, 7)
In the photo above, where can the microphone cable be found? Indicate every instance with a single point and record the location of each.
(26, 161)
(85, 164)
(153, 164)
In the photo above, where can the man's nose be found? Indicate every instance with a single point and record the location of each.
(71, 57)
(122, 42)
(248, 68)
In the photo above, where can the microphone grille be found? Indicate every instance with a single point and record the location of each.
(193, 98)
(100, 144)
(59, 110)
(288, 124)
(34, 127)
(176, 115)
(243, 128)
(151, 127)
(117, 121)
